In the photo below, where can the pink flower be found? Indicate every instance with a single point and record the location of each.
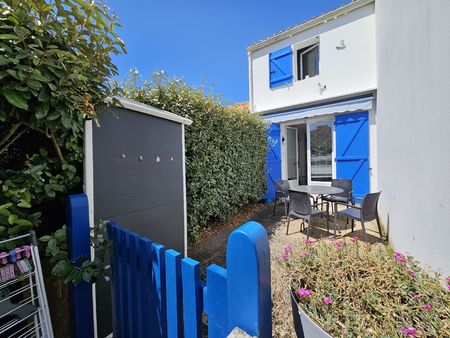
(448, 279)
(307, 254)
(309, 242)
(288, 249)
(354, 239)
(409, 330)
(327, 300)
(284, 257)
(448, 286)
(427, 307)
(399, 258)
(411, 272)
(415, 296)
(339, 245)
(304, 293)
(331, 238)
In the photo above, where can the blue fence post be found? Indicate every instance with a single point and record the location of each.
(248, 275)
(159, 288)
(192, 298)
(174, 294)
(77, 217)
(216, 301)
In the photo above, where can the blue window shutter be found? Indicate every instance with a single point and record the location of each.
(280, 67)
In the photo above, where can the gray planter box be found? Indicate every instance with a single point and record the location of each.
(305, 327)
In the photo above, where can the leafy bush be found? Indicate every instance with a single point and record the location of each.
(355, 289)
(55, 64)
(225, 147)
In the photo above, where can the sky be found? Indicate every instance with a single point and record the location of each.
(204, 41)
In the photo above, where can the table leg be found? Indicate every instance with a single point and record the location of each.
(335, 219)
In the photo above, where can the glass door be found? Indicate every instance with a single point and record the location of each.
(292, 154)
(320, 137)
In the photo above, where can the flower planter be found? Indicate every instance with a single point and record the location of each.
(305, 327)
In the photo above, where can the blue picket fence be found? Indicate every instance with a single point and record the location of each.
(158, 293)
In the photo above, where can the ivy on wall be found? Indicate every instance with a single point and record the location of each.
(225, 147)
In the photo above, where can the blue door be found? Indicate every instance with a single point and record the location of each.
(352, 151)
(273, 160)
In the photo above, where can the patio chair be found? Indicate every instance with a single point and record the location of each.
(300, 206)
(344, 197)
(282, 194)
(368, 211)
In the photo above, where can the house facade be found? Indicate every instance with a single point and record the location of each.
(316, 84)
(361, 92)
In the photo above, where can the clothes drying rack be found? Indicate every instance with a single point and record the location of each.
(24, 309)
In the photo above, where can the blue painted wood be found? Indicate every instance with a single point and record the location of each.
(216, 301)
(159, 288)
(352, 151)
(193, 298)
(248, 274)
(124, 271)
(273, 160)
(280, 67)
(77, 217)
(113, 230)
(146, 318)
(174, 294)
(132, 282)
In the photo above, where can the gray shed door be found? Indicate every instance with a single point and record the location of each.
(138, 182)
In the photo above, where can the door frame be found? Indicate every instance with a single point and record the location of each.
(296, 156)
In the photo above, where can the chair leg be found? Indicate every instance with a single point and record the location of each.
(335, 223)
(328, 217)
(274, 206)
(379, 230)
(288, 221)
(285, 208)
(309, 226)
(364, 230)
(353, 224)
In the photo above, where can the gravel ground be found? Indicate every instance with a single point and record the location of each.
(211, 249)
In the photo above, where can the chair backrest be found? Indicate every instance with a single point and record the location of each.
(344, 184)
(369, 206)
(300, 203)
(282, 186)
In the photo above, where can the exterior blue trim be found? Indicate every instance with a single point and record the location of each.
(333, 104)
(280, 67)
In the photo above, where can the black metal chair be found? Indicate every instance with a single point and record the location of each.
(368, 211)
(282, 194)
(344, 197)
(300, 206)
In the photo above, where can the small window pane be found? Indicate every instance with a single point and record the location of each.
(321, 151)
(310, 62)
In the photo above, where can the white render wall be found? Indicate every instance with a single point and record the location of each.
(344, 72)
(413, 122)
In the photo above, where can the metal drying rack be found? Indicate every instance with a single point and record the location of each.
(24, 309)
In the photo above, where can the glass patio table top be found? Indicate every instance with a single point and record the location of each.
(317, 189)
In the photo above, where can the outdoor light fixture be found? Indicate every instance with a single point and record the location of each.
(341, 45)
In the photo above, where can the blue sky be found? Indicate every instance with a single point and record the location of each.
(204, 40)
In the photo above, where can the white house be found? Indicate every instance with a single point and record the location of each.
(344, 95)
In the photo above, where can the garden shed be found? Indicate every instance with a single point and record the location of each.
(135, 175)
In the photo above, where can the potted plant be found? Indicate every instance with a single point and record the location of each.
(348, 288)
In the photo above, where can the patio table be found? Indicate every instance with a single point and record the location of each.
(319, 190)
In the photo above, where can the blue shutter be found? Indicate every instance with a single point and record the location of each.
(352, 151)
(273, 160)
(280, 67)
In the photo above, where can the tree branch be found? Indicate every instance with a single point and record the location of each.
(57, 147)
(10, 133)
(14, 139)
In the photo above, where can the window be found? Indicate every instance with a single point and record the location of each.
(320, 136)
(308, 62)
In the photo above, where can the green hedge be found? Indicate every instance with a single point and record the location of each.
(225, 147)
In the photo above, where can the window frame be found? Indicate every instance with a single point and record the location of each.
(299, 60)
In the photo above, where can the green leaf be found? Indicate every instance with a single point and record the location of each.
(45, 239)
(8, 37)
(16, 98)
(4, 60)
(23, 222)
(42, 110)
(12, 218)
(5, 206)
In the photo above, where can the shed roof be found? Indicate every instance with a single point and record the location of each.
(317, 20)
(150, 110)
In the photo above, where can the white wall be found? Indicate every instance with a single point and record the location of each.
(344, 72)
(413, 122)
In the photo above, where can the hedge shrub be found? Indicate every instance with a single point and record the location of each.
(225, 147)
